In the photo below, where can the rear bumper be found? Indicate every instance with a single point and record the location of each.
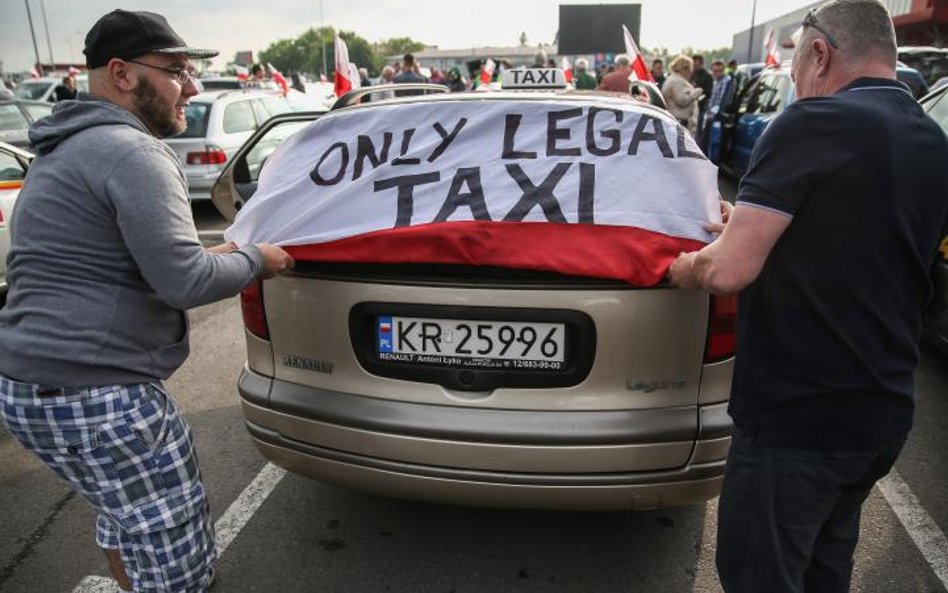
(200, 184)
(480, 457)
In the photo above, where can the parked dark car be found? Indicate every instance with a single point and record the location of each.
(745, 119)
(935, 329)
(16, 117)
(913, 79)
(761, 100)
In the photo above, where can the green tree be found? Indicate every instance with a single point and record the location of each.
(305, 53)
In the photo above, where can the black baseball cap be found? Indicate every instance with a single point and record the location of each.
(124, 34)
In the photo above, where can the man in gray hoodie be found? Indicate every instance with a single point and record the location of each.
(104, 262)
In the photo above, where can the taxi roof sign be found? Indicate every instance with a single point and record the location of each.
(534, 78)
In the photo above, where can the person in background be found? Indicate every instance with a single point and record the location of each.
(257, 77)
(539, 59)
(409, 74)
(67, 90)
(364, 78)
(701, 79)
(387, 77)
(680, 96)
(731, 68)
(582, 79)
(828, 323)
(617, 81)
(296, 82)
(455, 81)
(658, 72)
(103, 264)
(721, 94)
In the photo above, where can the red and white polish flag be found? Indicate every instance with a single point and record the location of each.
(567, 69)
(639, 67)
(474, 183)
(343, 80)
(487, 71)
(278, 78)
(770, 48)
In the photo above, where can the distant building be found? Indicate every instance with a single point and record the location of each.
(917, 22)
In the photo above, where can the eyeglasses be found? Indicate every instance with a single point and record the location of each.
(810, 20)
(182, 75)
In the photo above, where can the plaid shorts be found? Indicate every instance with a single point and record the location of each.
(127, 450)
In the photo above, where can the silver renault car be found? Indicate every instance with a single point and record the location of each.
(604, 395)
(218, 123)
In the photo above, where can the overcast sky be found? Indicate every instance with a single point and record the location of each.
(232, 25)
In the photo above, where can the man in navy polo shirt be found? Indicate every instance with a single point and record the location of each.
(831, 246)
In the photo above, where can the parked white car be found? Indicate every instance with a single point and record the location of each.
(44, 89)
(219, 122)
(13, 166)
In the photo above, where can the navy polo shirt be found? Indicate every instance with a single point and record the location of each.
(827, 335)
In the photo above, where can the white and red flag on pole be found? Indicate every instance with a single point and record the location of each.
(567, 69)
(770, 47)
(278, 78)
(639, 67)
(243, 73)
(487, 71)
(354, 76)
(343, 78)
(330, 194)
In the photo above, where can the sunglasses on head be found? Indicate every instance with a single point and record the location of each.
(810, 20)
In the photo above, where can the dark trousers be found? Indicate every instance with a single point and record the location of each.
(788, 519)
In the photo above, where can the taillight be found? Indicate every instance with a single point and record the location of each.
(212, 155)
(721, 321)
(251, 306)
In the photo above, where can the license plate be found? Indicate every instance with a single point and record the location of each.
(472, 343)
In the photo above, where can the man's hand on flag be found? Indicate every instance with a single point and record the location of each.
(681, 272)
(718, 227)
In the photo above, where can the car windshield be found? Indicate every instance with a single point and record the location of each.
(31, 90)
(197, 116)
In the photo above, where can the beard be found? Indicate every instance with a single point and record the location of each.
(161, 119)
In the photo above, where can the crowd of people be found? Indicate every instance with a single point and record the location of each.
(692, 93)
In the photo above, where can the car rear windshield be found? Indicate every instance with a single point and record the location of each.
(197, 116)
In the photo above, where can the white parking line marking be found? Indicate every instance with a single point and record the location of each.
(227, 526)
(96, 585)
(923, 530)
(239, 512)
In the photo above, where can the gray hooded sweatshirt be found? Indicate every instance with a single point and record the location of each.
(104, 257)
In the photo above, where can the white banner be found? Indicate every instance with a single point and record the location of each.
(372, 168)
